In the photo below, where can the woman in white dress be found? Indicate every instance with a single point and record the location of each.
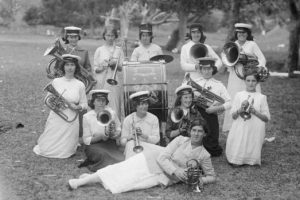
(105, 60)
(244, 39)
(102, 142)
(163, 166)
(246, 136)
(60, 138)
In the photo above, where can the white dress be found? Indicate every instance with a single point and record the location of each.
(245, 138)
(142, 53)
(235, 84)
(60, 138)
(115, 96)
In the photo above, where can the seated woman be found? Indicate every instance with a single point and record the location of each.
(247, 133)
(163, 166)
(183, 102)
(140, 124)
(101, 140)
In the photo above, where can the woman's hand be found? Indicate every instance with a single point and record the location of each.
(181, 174)
(73, 106)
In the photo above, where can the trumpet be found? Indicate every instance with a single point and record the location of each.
(245, 114)
(58, 104)
(137, 147)
(194, 172)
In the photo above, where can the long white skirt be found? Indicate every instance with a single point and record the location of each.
(131, 174)
(59, 139)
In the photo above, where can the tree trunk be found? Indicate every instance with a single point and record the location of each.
(293, 55)
(234, 18)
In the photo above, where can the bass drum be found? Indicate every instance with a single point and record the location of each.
(149, 76)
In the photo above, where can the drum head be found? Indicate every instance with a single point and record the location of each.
(164, 58)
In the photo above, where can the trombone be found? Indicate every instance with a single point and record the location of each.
(112, 80)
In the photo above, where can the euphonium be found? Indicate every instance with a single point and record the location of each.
(194, 172)
(198, 51)
(207, 98)
(58, 104)
(53, 71)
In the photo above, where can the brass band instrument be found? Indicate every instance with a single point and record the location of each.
(246, 109)
(198, 50)
(137, 147)
(177, 116)
(206, 98)
(232, 56)
(53, 71)
(194, 172)
(112, 80)
(105, 118)
(58, 104)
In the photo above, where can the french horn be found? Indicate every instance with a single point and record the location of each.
(53, 69)
(58, 104)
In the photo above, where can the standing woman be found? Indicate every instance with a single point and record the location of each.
(183, 102)
(60, 138)
(246, 136)
(105, 60)
(71, 38)
(244, 39)
(187, 62)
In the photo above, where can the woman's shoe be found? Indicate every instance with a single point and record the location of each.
(73, 184)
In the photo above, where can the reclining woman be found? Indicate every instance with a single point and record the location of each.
(163, 166)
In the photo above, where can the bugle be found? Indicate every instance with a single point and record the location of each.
(58, 104)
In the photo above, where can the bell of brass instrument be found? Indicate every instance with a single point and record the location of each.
(53, 71)
(194, 172)
(198, 51)
(246, 110)
(206, 98)
(177, 114)
(105, 117)
(58, 104)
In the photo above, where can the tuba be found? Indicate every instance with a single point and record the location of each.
(198, 50)
(206, 98)
(58, 104)
(53, 69)
(232, 56)
(194, 172)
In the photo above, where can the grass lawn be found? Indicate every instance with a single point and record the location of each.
(23, 175)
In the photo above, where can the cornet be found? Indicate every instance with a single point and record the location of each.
(246, 109)
(137, 147)
(105, 118)
(194, 172)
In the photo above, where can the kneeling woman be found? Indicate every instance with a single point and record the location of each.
(101, 140)
(162, 166)
(60, 137)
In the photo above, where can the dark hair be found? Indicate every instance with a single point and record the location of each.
(91, 102)
(202, 38)
(77, 69)
(249, 34)
(199, 122)
(135, 103)
(65, 38)
(150, 33)
(178, 99)
(252, 73)
(113, 31)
